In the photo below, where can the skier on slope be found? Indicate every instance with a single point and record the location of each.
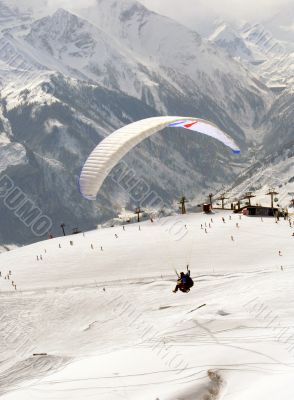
(185, 282)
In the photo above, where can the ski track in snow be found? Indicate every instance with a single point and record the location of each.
(113, 329)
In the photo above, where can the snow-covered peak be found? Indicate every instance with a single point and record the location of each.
(254, 45)
(277, 67)
(67, 42)
(128, 7)
(63, 15)
(111, 14)
(229, 39)
(62, 25)
(263, 39)
(74, 46)
(225, 33)
(142, 30)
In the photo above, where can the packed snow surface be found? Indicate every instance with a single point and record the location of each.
(101, 306)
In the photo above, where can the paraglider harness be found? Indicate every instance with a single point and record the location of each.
(185, 282)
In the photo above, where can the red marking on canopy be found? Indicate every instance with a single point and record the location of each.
(190, 124)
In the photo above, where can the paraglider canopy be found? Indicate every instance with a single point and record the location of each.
(115, 146)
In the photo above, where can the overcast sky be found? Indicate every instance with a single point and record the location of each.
(53, 4)
(197, 14)
(200, 14)
(189, 9)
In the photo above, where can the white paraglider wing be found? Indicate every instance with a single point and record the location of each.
(209, 129)
(115, 146)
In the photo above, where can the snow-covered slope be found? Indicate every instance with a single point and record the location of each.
(113, 329)
(273, 172)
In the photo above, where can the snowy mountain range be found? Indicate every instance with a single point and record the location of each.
(255, 46)
(68, 79)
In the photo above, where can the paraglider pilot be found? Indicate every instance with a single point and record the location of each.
(184, 282)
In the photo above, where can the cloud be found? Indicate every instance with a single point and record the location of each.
(198, 11)
(71, 3)
(196, 14)
(185, 11)
(51, 5)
